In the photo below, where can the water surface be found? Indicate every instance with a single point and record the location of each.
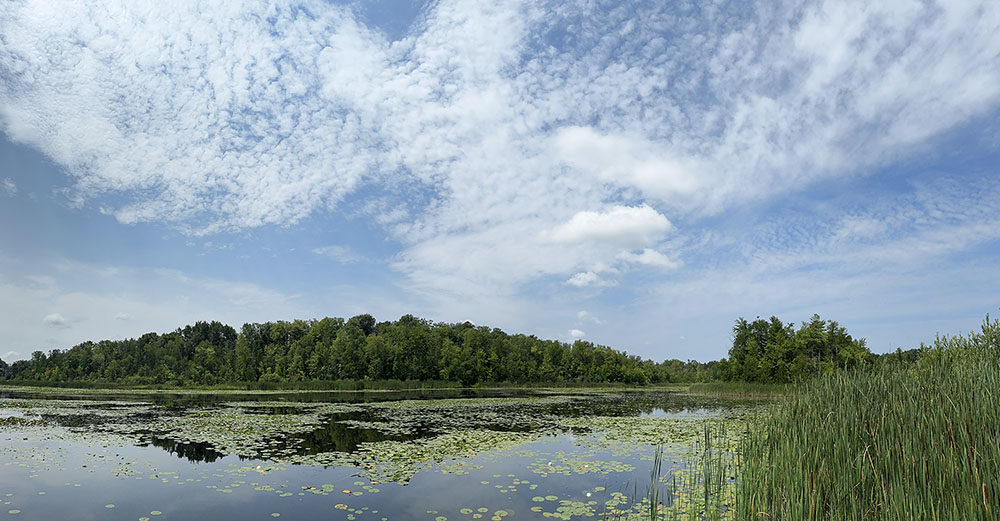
(439, 455)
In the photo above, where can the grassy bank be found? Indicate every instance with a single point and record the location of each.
(887, 443)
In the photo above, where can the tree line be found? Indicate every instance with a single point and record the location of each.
(415, 349)
(359, 348)
(771, 351)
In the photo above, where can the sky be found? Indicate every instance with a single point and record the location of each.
(637, 174)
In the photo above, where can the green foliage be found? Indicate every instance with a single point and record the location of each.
(769, 351)
(890, 441)
(357, 350)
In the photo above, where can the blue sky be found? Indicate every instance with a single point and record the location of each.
(636, 175)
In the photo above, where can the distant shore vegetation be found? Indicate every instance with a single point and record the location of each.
(339, 353)
(360, 349)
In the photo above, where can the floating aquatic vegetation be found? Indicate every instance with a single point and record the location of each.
(568, 466)
(455, 439)
(20, 421)
(400, 460)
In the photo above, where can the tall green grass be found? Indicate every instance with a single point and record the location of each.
(704, 488)
(698, 485)
(891, 442)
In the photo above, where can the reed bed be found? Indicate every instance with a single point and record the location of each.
(704, 488)
(891, 442)
(701, 486)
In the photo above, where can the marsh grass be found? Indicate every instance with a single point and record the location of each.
(705, 488)
(892, 442)
(702, 487)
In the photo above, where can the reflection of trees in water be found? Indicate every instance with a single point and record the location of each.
(634, 403)
(515, 417)
(190, 451)
(334, 436)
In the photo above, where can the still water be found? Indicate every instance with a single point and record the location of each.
(435, 456)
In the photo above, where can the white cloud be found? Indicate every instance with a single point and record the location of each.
(339, 253)
(8, 186)
(586, 316)
(622, 226)
(650, 257)
(588, 279)
(576, 334)
(55, 320)
(488, 128)
(629, 161)
(198, 114)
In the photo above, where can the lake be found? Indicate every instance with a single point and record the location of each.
(452, 455)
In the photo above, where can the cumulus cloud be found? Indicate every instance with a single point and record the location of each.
(576, 334)
(55, 320)
(623, 226)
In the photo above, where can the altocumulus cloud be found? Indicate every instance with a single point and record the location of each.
(8, 186)
(339, 253)
(585, 124)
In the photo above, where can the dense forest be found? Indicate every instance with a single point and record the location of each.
(414, 349)
(359, 348)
